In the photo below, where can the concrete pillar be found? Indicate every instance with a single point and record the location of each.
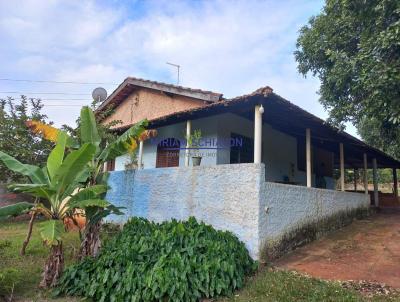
(355, 179)
(341, 167)
(308, 158)
(395, 184)
(140, 156)
(188, 133)
(365, 174)
(375, 175)
(258, 111)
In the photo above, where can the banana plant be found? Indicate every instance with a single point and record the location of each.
(89, 133)
(16, 209)
(59, 183)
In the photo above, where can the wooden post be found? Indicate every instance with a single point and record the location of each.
(395, 184)
(375, 174)
(341, 167)
(355, 179)
(188, 133)
(365, 174)
(140, 159)
(308, 157)
(258, 111)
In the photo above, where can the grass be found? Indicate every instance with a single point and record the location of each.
(277, 285)
(24, 274)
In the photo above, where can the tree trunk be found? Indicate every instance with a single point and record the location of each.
(28, 236)
(53, 267)
(90, 245)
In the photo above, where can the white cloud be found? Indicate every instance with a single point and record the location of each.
(232, 47)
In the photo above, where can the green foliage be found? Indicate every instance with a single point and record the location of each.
(194, 139)
(108, 145)
(8, 279)
(266, 285)
(353, 46)
(383, 136)
(123, 143)
(31, 148)
(57, 182)
(15, 209)
(51, 231)
(33, 172)
(88, 127)
(171, 261)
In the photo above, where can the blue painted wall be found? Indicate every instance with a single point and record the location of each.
(225, 196)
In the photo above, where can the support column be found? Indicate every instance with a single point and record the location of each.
(188, 133)
(140, 157)
(365, 174)
(395, 184)
(308, 157)
(375, 175)
(341, 167)
(258, 111)
(355, 179)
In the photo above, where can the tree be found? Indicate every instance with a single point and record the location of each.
(30, 147)
(91, 131)
(380, 135)
(353, 46)
(59, 183)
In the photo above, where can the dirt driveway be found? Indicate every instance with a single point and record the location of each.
(367, 249)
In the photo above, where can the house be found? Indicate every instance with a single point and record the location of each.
(267, 168)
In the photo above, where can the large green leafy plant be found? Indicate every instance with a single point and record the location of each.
(59, 185)
(91, 131)
(171, 261)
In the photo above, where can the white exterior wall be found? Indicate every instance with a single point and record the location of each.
(285, 208)
(279, 150)
(208, 127)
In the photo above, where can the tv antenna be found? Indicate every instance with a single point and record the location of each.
(177, 67)
(99, 94)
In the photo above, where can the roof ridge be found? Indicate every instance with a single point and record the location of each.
(264, 91)
(175, 86)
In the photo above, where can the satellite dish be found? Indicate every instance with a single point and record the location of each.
(99, 94)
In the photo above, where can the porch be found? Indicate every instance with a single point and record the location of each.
(296, 147)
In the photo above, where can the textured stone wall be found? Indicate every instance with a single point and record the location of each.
(225, 196)
(286, 210)
(229, 197)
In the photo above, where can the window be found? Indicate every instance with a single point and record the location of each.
(168, 153)
(110, 165)
(242, 149)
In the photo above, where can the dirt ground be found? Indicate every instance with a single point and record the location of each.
(367, 249)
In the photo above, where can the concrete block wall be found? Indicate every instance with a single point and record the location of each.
(285, 209)
(225, 196)
(229, 197)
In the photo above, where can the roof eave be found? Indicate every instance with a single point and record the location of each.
(206, 96)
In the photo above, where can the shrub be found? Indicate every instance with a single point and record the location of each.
(171, 261)
(8, 279)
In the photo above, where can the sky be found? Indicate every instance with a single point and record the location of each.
(231, 47)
